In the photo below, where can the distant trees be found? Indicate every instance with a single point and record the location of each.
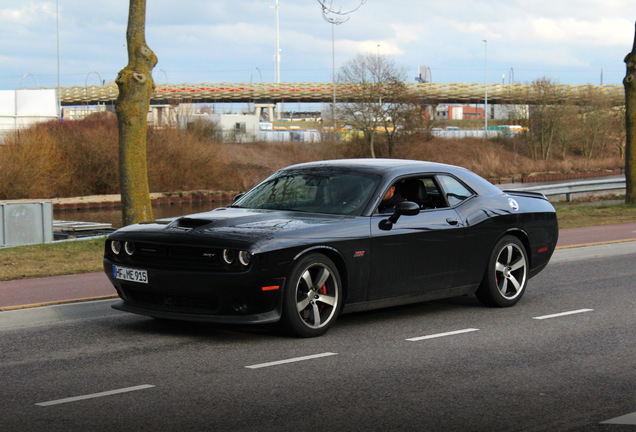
(378, 98)
(545, 118)
(558, 124)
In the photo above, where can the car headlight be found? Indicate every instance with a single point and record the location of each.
(115, 246)
(228, 256)
(244, 257)
(129, 247)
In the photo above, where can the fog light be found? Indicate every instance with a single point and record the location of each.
(129, 247)
(244, 258)
(115, 246)
(228, 256)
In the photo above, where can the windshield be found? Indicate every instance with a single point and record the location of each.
(317, 191)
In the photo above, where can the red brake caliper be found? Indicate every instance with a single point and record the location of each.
(322, 290)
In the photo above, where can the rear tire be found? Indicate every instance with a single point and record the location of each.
(506, 276)
(313, 296)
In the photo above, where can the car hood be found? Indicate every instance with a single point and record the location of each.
(243, 227)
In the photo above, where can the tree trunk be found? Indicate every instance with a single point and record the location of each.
(135, 89)
(630, 124)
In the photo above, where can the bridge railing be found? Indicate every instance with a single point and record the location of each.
(323, 92)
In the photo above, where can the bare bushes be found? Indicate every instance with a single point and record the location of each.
(497, 159)
(75, 158)
(249, 163)
(180, 160)
(60, 159)
(559, 125)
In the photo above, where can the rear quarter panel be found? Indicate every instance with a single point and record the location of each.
(488, 218)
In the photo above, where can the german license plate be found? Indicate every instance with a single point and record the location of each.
(129, 274)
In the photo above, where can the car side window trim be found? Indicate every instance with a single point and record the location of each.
(445, 190)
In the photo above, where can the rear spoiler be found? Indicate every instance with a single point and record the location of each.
(525, 194)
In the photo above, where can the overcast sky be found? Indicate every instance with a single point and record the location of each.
(569, 42)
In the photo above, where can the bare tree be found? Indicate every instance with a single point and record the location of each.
(135, 89)
(378, 95)
(594, 123)
(630, 124)
(545, 117)
(420, 118)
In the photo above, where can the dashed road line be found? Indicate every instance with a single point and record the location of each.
(629, 419)
(561, 314)
(438, 335)
(95, 395)
(291, 360)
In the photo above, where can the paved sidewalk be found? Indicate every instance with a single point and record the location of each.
(569, 237)
(28, 293)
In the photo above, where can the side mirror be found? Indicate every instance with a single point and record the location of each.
(405, 208)
(236, 198)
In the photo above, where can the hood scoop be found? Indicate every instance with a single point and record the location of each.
(189, 223)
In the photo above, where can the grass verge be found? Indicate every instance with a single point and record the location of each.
(574, 215)
(72, 257)
(51, 259)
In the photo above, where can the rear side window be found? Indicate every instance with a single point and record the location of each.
(455, 191)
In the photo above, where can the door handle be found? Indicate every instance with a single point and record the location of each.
(452, 221)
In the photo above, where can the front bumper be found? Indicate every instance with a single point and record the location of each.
(248, 297)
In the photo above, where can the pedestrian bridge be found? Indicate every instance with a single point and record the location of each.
(426, 93)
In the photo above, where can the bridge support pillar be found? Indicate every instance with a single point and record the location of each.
(270, 107)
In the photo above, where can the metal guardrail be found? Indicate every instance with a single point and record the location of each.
(579, 187)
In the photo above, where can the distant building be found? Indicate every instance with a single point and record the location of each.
(459, 112)
(23, 108)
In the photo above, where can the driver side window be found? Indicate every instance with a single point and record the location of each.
(424, 191)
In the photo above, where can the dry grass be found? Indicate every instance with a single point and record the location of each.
(75, 158)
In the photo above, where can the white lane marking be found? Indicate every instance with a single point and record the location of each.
(629, 419)
(291, 360)
(563, 314)
(438, 335)
(95, 395)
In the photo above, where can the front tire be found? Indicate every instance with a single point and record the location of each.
(506, 275)
(313, 296)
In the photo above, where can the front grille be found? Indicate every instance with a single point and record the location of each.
(191, 303)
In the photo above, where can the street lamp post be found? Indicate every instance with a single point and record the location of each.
(57, 33)
(335, 17)
(485, 88)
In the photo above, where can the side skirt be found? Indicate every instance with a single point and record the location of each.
(404, 300)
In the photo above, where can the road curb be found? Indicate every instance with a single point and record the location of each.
(46, 315)
(594, 244)
(57, 302)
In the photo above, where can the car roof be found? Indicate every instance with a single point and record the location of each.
(374, 164)
(392, 168)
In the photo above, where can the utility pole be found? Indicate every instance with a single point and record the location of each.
(277, 58)
(335, 17)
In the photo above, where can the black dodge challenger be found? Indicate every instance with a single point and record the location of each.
(318, 239)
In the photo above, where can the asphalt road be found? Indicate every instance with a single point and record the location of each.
(563, 359)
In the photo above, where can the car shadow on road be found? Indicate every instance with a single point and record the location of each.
(237, 333)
